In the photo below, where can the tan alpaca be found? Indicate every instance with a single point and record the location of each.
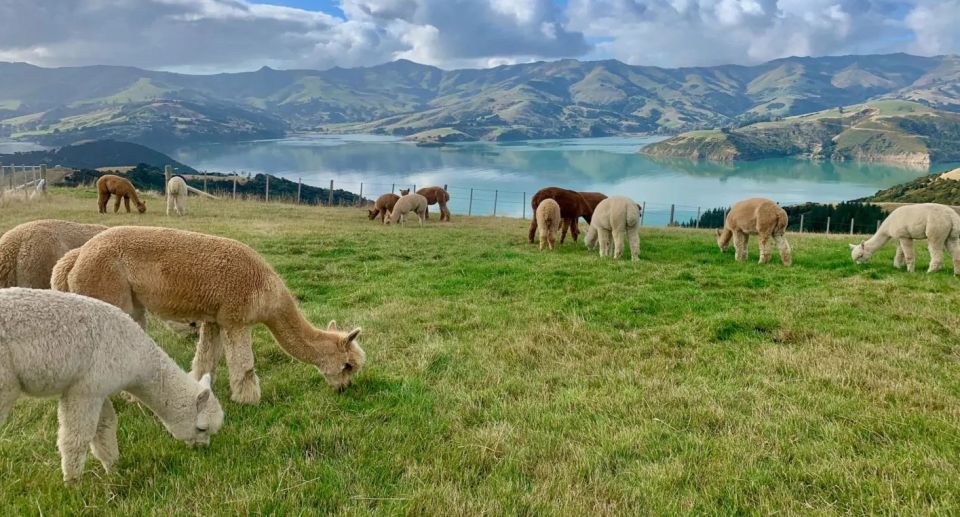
(177, 195)
(382, 207)
(616, 220)
(108, 185)
(29, 251)
(939, 224)
(756, 216)
(226, 285)
(406, 204)
(548, 222)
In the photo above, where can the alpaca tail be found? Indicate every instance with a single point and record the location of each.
(8, 264)
(58, 279)
(782, 221)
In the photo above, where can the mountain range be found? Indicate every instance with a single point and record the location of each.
(566, 98)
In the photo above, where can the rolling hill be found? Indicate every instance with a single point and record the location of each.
(893, 131)
(565, 98)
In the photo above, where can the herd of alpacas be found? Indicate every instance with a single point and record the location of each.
(94, 285)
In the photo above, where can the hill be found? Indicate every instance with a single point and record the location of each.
(885, 131)
(926, 189)
(501, 380)
(97, 154)
(564, 98)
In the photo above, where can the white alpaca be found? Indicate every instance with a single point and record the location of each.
(177, 195)
(406, 204)
(939, 224)
(85, 350)
(615, 219)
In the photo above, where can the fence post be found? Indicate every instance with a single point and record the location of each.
(698, 218)
(360, 198)
(267, 189)
(393, 186)
(13, 172)
(414, 189)
(672, 207)
(470, 206)
(204, 182)
(234, 186)
(801, 223)
(643, 212)
(330, 195)
(878, 225)
(496, 194)
(444, 187)
(43, 177)
(851, 226)
(524, 205)
(3, 169)
(828, 225)
(299, 186)
(167, 173)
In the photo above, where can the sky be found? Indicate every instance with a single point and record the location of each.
(209, 36)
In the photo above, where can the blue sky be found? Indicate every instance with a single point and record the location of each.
(231, 35)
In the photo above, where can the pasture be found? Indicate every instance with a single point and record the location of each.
(503, 380)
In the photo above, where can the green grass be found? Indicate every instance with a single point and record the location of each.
(502, 380)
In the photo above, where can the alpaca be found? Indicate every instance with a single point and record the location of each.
(616, 219)
(177, 195)
(85, 350)
(572, 207)
(939, 224)
(436, 196)
(756, 216)
(406, 204)
(383, 206)
(593, 199)
(29, 251)
(548, 221)
(221, 283)
(122, 188)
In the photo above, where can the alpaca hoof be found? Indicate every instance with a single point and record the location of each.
(248, 392)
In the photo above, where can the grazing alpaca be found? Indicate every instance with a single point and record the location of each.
(177, 195)
(28, 252)
(226, 285)
(406, 204)
(572, 207)
(383, 206)
(548, 221)
(122, 188)
(436, 196)
(618, 219)
(756, 216)
(85, 351)
(939, 224)
(593, 199)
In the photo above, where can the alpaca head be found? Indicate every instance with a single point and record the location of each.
(404, 192)
(141, 207)
(344, 359)
(722, 241)
(200, 419)
(859, 253)
(590, 239)
(371, 214)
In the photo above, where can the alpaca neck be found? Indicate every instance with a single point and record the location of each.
(165, 389)
(294, 333)
(725, 236)
(874, 243)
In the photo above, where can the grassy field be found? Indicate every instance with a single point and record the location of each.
(502, 380)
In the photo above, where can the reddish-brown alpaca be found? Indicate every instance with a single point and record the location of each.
(572, 207)
(108, 185)
(383, 206)
(436, 196)
(593, 199)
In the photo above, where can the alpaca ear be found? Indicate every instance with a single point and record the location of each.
(203, 398)
(205, 381)
(718, 232)
(332, 325)
(854, 246)
(354, 334)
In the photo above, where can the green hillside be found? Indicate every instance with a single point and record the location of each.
(886, 130)
(926, 189)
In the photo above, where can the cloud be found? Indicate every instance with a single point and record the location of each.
(229, 35)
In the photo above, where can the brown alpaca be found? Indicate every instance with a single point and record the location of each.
(436, 196)
(593, 199)
(226, 285)
(28, 252)
(122, 188)
(383, 206)
(548, 222)
(755, 216)
(572, 207)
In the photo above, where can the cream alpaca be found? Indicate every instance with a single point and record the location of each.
(756, 216)
(615, 219)
(226, 285)
(406, 204)
(548, 222)
(177, 195)
(28, 252)
(939, 224)
(85, 350)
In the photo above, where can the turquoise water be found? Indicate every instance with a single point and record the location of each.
(508, 173)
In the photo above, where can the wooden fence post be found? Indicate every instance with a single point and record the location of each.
(470, 206)
(267, 189)
(524, 213)
(643, 212)
(299, 186)
(828, 225)
(234, 186)
(330, 195)
(43, 178)
(167, 173)
(672, 208)
(360, 197)
(496, 194)
(204, 182)
(878, 225)
(393, 186)
(698, 218)
(801, 223)
(851, 226)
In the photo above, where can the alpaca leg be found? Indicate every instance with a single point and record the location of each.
(244, 384)
(543, 239)
(784, 247)
(634, 244)
(78, 418)
(618, 238)
(126, 203)
(421, 217)
(444, 212)
(936, 256)
(907, 246)
(740, 242)
(102, 199)
(574, 228)
(171, 203)
(953, 246)
(533, 227)
(898, 259)
(426, 213)
(209, 351)
(104, 445)
(9, 393)
(766, 250)
(564, 227)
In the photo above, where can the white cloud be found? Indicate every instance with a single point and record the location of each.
(936, 24)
